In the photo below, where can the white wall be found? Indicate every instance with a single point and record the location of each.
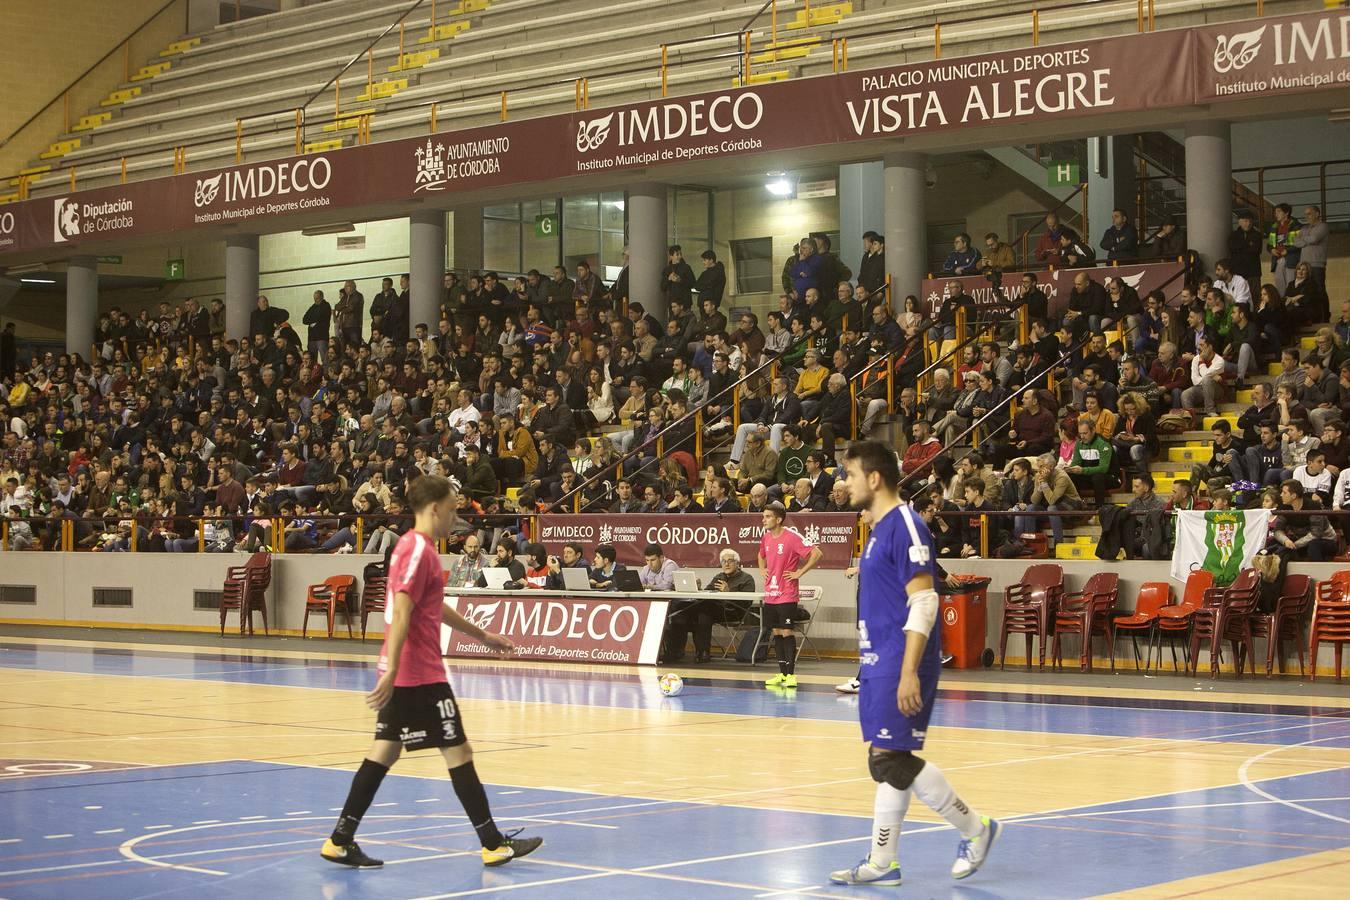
(163, 586)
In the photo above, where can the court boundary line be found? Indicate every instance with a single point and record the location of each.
(1251, 786)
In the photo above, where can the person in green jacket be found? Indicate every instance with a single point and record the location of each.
(1091, 462)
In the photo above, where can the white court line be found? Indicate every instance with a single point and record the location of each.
(11, 840)
(808, 887)
(111, 831)
(1249, 785)
(53, 837)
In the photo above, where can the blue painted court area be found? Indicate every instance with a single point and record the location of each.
(1181, 719)
(245, 829)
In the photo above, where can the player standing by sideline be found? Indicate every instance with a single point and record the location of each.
(784, 557)
(417, 709)
(900, 668)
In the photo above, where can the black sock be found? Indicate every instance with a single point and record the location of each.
(780, 650)
(473, 798)
(789, 655)
(364, 785)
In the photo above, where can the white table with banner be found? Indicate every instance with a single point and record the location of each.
(581, 627)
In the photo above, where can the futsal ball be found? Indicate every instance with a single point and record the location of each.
(671, 684)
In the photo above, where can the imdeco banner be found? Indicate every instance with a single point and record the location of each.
(1160, 70)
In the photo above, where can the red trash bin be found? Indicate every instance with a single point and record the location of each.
(964, 614)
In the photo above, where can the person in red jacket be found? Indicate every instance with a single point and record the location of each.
(919, 455)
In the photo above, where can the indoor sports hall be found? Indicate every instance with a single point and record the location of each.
(674, 448)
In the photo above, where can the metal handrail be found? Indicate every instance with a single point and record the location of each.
(76, 81)
(690, 417)
(741, 54)
(1007, 401)
(1024, 237)
(351, 62)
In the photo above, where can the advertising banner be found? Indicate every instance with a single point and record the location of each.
(1128, 73)
(593, 629)
(1056, 285)
(1268, 57)
(696, 539)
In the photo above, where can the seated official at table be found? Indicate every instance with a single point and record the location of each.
(659, 573)
(506, 559)
(571, 559)
(606, 564)
(469, 567)
(700, 615)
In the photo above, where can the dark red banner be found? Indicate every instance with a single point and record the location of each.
(585, 629)
(1268, 57)
(696, 539)
(1131, 73)
(1056, 285)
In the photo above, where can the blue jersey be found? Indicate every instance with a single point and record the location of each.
(900, 548)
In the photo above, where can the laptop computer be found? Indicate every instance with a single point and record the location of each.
(627, 580)
(496, 577)
(687, 580)
(576, 578)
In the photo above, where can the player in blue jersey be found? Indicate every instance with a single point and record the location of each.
(901, 662)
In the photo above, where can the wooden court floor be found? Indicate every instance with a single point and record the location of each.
(1114, 789)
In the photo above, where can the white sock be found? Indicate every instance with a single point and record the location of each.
(888, 812)
(933, 788)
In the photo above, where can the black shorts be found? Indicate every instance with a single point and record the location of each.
(781, 615)
(421, 717)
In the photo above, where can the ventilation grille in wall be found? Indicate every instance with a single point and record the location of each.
(18, 593)
(112, 596)
(207, 600)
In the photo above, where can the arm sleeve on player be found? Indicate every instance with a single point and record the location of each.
(923, 610)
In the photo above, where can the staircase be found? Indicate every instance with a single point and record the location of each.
(1160, 160)
(794, 44)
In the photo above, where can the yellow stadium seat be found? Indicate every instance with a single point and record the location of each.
(1231, 418)
(91, 121)
(349, 119)
(119, 97)
(381, 89)
(323, 146)
(151, 71)
(179, 46)
(415, 60)
(59, 149)
(764, 77)
(444, 32)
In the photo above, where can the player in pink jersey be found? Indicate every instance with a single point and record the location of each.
(784, 557)
(417, 709)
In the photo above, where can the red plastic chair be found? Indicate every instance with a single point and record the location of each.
(1029, 608)
(328, 597)
(1153, 597)
(375, 579)
(1226, 616)
(246, 590)
(1331, 622)
(1086, 613)
(1286, 622)
(1175, 621)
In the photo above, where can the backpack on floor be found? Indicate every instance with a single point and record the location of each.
(747, 646)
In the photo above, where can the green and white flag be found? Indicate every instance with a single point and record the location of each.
(1219, 541)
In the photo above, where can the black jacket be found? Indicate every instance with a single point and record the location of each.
(319, 318)
(872, 270)
(712, 283)
(836, 411)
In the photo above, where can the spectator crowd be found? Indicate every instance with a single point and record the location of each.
(556, 392)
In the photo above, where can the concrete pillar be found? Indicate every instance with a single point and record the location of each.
(81, 304)
(1209, 190)
(241, 283)
(426, 266)
(860, 208)
(466, 240)
(647, 243)
(906, 229)
(1111, 185)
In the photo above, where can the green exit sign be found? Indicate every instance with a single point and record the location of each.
(1062, 174)
(173, 269)
(111, 260)
(546, 225)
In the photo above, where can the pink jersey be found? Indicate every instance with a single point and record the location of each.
(782, 554)
(415, 569)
